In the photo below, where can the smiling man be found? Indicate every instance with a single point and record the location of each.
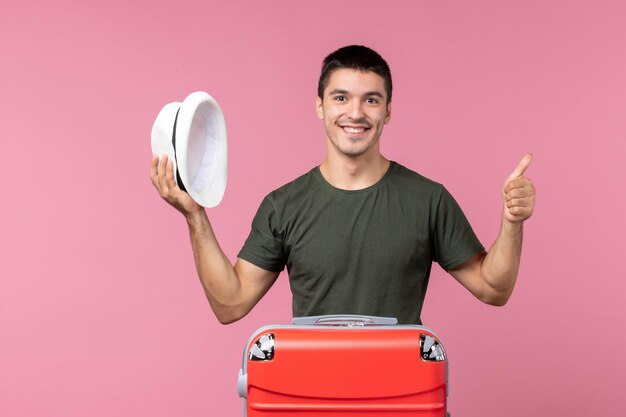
(359, 233)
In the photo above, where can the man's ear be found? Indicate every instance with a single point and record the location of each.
(319, 107)
(388, 115)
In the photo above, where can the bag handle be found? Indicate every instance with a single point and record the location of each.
(349, 320)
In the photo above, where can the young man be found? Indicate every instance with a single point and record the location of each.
(359, 233)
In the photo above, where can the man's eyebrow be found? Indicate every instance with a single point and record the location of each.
(374, 93)
(368, 94)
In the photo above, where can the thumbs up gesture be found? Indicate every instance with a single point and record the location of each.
(519, 193)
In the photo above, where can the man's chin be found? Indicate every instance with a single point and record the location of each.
(351, 148)
(354, 153)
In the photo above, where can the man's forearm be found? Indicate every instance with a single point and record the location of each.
(217, 275)
(501, 265)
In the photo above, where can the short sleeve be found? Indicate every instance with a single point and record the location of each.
(454, 240)
(264, 246)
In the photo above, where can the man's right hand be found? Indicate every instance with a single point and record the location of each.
(162, 176)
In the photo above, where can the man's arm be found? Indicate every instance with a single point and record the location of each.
(491, 276)
(232, 291)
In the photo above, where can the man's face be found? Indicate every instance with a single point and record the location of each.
(355, 110)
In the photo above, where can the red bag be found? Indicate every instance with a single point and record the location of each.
(344, 366)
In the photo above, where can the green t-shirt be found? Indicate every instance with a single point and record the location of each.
(365, 251)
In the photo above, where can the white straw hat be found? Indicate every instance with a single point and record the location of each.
(193, 135)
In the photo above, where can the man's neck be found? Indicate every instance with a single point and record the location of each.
(354, 173)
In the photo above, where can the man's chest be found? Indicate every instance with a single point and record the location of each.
(353, 232)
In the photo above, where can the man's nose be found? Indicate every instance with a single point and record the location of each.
(356, 110)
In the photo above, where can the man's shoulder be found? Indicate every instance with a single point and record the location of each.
(404, 176)
(295, 188)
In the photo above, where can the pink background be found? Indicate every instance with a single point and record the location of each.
(101, 312)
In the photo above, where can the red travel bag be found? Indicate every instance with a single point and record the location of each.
(344, 366)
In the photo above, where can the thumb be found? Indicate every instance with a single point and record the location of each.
(521, 167)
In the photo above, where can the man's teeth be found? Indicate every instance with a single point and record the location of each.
(354, 129)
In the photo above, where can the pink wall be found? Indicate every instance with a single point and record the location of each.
(101, 313)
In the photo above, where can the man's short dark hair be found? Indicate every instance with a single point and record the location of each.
(355, 57)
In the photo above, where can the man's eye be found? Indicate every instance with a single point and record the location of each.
(340, 98)
(372, 100)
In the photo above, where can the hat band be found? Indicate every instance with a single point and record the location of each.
(178, 179)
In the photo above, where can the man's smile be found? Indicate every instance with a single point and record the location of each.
(353, 130)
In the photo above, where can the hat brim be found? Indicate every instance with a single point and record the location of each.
(162, 130)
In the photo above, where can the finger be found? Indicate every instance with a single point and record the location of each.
(522, 166)
(519, 193)
(521, 213)
(518, 183)
(162, 170)
(519, 202)
(153, 169)
(153, 164)
(162, 164)
(169, 175)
